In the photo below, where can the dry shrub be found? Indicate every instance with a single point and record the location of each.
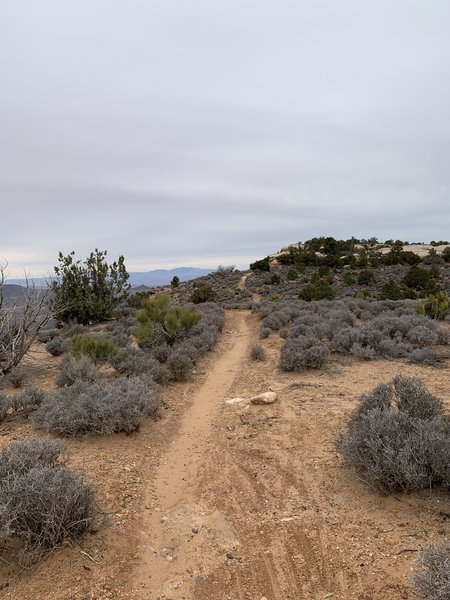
(17, 376)
(300, 354)
(57, 346)
(257, 352)
(76, 369)
(42, 501)
(399, 437)
(433, 582)
(101, 408)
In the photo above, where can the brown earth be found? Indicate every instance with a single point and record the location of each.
(219, 501)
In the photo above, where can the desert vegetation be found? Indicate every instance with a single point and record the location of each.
(318, 308)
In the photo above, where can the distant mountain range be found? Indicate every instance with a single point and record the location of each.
(148, 279)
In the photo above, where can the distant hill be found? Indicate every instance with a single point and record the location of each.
(137, 278)
(165, 276)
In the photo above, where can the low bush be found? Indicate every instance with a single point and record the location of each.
(399, 437)
(95, 347)
(203, 293)
(131, 361)
(42, 501)
(57, 346)
(179, 364)
(429, 357)
(17, 376)
(433, 581)
(27, 401)
(46, 335)
(22, 404)
(300, 354)
(100, 408)
(257, 352)
(76, 369)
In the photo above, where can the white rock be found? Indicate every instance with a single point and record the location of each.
(265, 398)
(235, 400)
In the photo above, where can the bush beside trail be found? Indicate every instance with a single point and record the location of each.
(42, 501)
(398, 437)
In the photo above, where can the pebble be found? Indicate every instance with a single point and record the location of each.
(230, 555)
(194, 530)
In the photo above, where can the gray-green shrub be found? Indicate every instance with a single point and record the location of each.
(100, 408)
(42, 501)
(399, 437)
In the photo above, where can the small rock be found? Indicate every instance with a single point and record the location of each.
(235, 400)
(194, 530)
(230, 555)
(265, 398)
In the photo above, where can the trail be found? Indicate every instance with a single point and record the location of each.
(167, 560)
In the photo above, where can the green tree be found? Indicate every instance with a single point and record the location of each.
(88, 291)
(175, 281)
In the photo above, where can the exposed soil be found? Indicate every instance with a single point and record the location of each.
(219, 501)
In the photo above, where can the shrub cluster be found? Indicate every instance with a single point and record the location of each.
(76, 369)
(173, 336)
(302, 353)
(22, 404)
(380, 329)
(42, 501)
(100, 408)
(399, 437)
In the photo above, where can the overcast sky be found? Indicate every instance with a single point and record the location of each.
(193, 133)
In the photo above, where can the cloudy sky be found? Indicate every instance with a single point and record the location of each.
(197, 132)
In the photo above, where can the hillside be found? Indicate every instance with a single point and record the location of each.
(233, 482)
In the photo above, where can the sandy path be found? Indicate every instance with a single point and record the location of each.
(173, 513)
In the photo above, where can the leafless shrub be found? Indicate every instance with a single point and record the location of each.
(76, 369)
(300, 354)
(179, 364)
(74, 329)
(264, 332)
(20, 323)
(46, 335)
(42, 501)
(17, 376)
(399, 437)
(21, 456)
(429, 357)
(100, 408)
(132, 361)
(57, 346)
(27, 401)
(257, 352)
(433, 582)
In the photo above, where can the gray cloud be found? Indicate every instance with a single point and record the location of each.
(198, 133)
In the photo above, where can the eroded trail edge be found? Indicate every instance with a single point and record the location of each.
(168, 565)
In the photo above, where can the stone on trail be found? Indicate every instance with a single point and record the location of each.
(265, 398)
(235, 400)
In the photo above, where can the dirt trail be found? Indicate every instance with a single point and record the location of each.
(220, 501)
(173, 513)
